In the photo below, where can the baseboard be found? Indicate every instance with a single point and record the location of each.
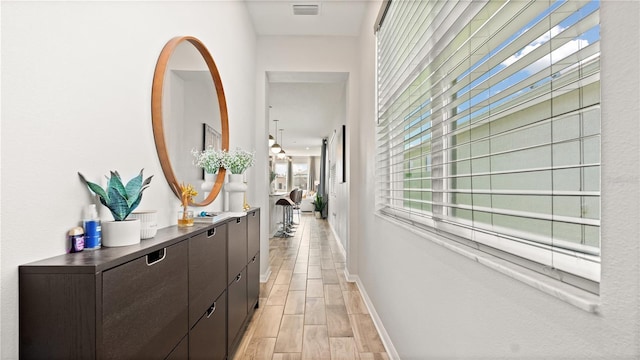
(340, 246)
(265, 277)
(384, 336)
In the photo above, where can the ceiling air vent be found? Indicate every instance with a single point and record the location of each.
(306, 9)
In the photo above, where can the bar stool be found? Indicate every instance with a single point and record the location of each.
(295, 196)
(286, 204)
(297, 200)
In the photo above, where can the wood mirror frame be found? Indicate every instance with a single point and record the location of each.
(158, 119)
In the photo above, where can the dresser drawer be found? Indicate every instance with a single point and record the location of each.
(237, 246)
(237, 309)
(253, 234)
(145, 304)
(208, 338)
(253, 282)
(207, 270)
(181, 351)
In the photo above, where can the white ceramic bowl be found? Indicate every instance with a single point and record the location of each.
(148, 222)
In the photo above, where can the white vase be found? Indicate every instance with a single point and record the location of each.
(120, 233)
(207, 185)
(148, 222)
(236, 189)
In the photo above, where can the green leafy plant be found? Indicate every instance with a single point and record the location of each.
(319, 203)
(209, 159)
(238, 160)
(119, 198)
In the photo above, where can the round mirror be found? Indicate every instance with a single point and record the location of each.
(189, 112)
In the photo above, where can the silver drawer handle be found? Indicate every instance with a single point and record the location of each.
(254, 259)
(238, 277)
(211, 232)
(211, 310)
(156, 256)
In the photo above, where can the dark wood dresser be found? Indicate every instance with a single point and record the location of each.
(185, 294)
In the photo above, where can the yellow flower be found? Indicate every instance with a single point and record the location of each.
(187, 193)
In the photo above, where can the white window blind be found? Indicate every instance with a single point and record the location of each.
(489, 126)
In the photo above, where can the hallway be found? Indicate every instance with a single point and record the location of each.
(307, 308)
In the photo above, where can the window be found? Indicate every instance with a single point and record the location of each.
(489, 128)
(281, 175)
(300, 175)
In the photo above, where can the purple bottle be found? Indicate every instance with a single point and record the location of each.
(76, 238)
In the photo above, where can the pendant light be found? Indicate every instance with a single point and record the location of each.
(275, 148)
(281, 155)
(271, 139)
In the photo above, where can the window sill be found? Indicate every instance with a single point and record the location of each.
(579, 298)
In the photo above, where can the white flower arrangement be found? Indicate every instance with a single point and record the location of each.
(238, 160)
(209, 159)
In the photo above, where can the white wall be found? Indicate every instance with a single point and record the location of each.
(1, 302)
(304, 54)
(76, 96)
(436, 304)
(337, 189)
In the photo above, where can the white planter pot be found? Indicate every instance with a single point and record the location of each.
(148, 222)
(207, 185)
(318, 214)
(120, 233)
(236, 189)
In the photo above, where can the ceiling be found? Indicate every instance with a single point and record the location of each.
(307, 104)
(335, 17)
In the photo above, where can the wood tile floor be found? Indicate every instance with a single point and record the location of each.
(307, 308)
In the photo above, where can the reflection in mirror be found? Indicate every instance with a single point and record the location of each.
(190, 103)
(189, 113)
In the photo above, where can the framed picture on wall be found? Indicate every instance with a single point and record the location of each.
(341, 154)
(211, 138)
